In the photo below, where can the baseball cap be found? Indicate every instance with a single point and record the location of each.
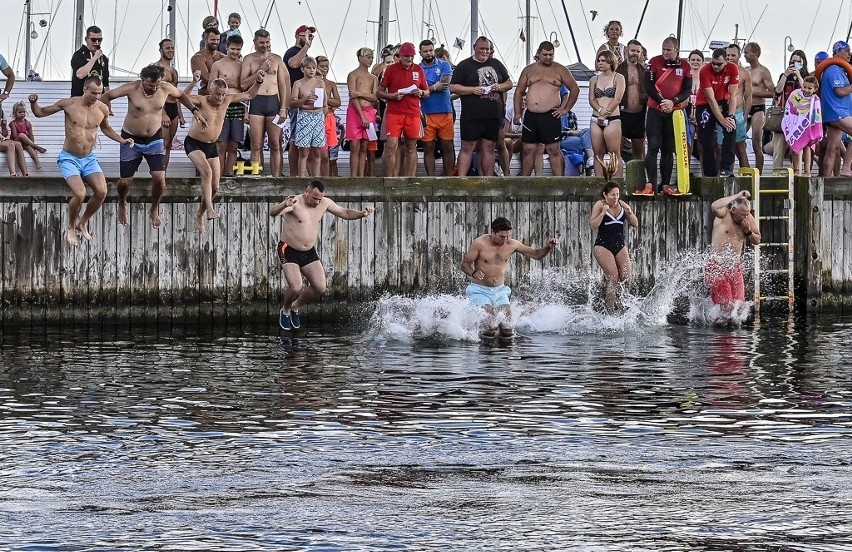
(839, 46)
(407, 49)
(304, 28)
(820, 57)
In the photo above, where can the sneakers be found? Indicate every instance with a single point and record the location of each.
(284, 321)
(648, 190)
(669, 191)
(295, 320)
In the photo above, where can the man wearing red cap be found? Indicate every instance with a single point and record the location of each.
(402, 86)
(293, 61)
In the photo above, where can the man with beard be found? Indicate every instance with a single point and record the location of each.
(540, 83)
(293, 62)
(171, 111)
(743, 108)
(271, 99)
(480, 81)
(438, 108)
(229, 69)
(635, 100)
(200, 142)
(204, 59)
(403, 85)
(144, 125)
(716, 103)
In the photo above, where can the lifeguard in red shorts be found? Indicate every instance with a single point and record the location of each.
(733, 226)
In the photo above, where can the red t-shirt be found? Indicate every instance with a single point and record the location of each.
(667, 77)
(719, 82)
(397, 77)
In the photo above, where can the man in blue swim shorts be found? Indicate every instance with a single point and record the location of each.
(77, 163)
(146, 98)
(485, 264)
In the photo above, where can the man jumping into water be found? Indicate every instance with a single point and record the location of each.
(485, 264)
(733, 226)
(77, 161)
(296, 249)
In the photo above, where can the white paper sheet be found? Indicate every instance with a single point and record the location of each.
(407, 89)
(280, 121)
(371, 132)
(320, 94)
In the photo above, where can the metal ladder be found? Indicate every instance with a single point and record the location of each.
(786, 214)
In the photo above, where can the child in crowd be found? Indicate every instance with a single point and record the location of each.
(310, 123)
(14, 150)
(22, 131)
(234, 21)
(802, 123)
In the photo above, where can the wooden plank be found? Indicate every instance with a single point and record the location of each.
(434, 262)
(228, 243)
(393, 243)
(353, 255)
(138, 247)
(110, 242)
(379, 243)
(165, 255)
(23, 250)
(367, 258)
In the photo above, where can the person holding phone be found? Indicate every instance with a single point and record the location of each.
(791, 79)
(89, 61)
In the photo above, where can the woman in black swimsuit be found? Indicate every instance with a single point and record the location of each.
(608, 217)
(605, 92)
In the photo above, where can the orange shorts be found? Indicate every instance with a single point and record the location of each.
(399, 125)
(439, 125)
(330, 130)
(373, 145)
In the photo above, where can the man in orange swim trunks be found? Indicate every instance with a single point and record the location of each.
(733, 226)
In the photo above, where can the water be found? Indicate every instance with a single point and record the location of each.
(590, 432)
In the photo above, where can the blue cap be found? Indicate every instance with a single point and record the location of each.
(820, 57)
(839, 46)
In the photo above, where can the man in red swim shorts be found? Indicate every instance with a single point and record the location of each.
(733, 226)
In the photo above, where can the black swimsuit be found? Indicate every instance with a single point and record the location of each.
(611, 232)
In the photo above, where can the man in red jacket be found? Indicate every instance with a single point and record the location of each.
(668, 83)
(716, 103)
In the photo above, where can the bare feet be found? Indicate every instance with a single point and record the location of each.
(155, 218)
(38, 166)
(40, 149)
(199, 220)
(122, 212)
(847, 174)
(71, 236)
(83, 228)
(211, 214)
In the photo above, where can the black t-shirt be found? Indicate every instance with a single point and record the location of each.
(80, 58)
(295, 74)
(490, 72)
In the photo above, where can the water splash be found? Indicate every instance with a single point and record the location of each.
(557, 301)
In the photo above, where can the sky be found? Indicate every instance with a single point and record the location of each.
(132, 28)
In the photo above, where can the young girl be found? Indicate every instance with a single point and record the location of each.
(802, 123)
(605, 92)
(22, 131)
(14, 150)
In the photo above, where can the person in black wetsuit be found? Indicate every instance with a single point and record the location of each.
(609, 215)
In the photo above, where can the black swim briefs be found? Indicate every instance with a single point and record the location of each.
(190, 145)
(287, 254)
(171, 110)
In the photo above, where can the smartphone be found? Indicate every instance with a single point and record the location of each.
(600, 121)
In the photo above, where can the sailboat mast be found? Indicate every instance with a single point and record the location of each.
(28, 51)
(474, 23)
(679, 19)
(528, 31)
(79, 10)
(173, 21)
(384, 23)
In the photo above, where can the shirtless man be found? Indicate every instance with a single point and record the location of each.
(171, 111)
(204, 59)
(77, 162)
(733, 226)
(229, 69)
(296, 248)
(271, 100)
(635, 100)
(361, 111)
(146, 98)
(540, 82)
(762, 88)
(200, 142)
(486, 263)
(743, 106)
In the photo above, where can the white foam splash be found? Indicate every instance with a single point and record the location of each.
(557, 301)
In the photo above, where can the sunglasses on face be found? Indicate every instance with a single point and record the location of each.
(96, 40)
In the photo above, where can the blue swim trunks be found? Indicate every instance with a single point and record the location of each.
(71, 165)
(741, 131)
(481, 295)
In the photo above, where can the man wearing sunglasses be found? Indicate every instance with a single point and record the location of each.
(716, 103)
(89, 60)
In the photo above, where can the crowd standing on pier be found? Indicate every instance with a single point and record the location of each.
(288, 105)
